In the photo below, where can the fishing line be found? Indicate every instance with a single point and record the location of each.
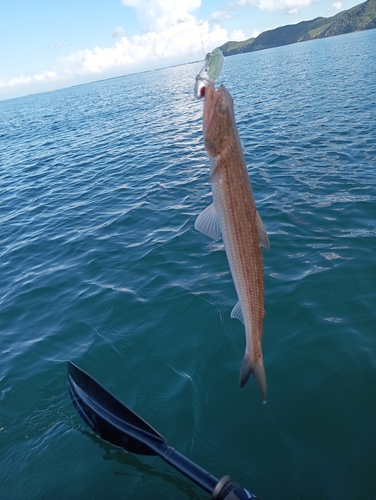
(198, 25)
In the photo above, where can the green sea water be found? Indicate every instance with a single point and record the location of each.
(100, 264)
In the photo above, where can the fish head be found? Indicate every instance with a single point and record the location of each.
(218, 120)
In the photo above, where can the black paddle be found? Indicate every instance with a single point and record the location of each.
(119, 425)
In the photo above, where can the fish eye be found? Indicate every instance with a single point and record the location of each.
(222, 109)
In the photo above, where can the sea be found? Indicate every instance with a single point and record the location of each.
(100, 264)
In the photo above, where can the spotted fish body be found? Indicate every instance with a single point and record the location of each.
(233, 214)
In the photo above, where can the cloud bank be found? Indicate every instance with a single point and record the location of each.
(27, 80)
(170, 33)
(291, 6)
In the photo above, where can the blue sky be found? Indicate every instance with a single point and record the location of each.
(48, 44)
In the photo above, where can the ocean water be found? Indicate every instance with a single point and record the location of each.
(100, 264)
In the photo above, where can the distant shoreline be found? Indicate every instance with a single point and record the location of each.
(359, 18)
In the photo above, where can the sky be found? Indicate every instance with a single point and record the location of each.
(51, 44)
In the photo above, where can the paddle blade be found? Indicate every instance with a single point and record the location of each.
(110, 418)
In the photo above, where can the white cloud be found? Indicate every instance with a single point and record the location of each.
(171, 32)
(291, 6)
(179, 40)
(219, 15)
(27, 80)
(237, 36)
(336, 6)
(162, 13)
(118, 32)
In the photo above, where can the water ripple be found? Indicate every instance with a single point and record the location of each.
(100, 264)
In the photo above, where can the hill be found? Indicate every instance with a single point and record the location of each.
(359, 18)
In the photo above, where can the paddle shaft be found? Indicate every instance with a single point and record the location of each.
(223, 489)
(189, 469)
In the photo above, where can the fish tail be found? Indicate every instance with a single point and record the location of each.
(257, 370)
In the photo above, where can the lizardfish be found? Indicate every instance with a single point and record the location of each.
(233, 214)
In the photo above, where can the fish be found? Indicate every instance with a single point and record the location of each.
(233, 215)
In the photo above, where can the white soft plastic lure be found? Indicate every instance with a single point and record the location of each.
(209, 73)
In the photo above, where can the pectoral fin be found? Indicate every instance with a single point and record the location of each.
(208, 223)
(264, 240)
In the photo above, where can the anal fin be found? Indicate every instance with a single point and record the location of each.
(237, 312)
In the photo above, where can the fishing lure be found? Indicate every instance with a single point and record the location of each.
(209, 73)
